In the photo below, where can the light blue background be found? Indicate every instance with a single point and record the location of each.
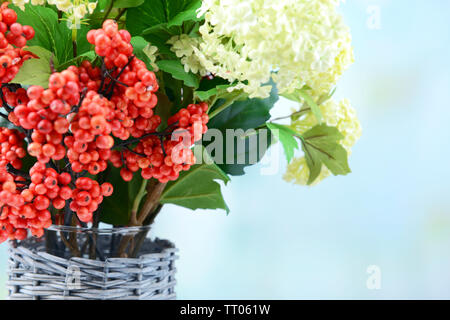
(287, 242)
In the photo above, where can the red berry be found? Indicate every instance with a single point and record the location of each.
(64, 178)
(34, 92)
(28, 32)
(58, 203)
(44, 126)
(9, 16)
(107, 189)
(126, 175)
(105, 142)
(84, 183)
(61, 125)
(65, 193)
(84, 214)
(20, 234)
(48, 150)
(83, 198)
(41, 202)
(41, 189)
(50, 182)
(56, 81)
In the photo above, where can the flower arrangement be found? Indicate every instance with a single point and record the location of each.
(108, 107)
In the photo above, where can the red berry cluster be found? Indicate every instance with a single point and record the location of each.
(112, 44)
(87, 117)
(25, 208)
(13, 37)
(45, 113)
(136, 102)
(11, 148)
(164, 157)
(87, 197)
(90, 77)
(191, 120)
(12, 32)
(11, 225)
(49, 186)
(22, 201)
(131, 86)
(15, 96)
(90, 145)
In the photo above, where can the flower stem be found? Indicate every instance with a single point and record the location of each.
(136, 203)
(155, 191)
(121, 13)
(74, 42)
(297, 113)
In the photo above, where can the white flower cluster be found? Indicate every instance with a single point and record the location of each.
(296, 42)
(75, 10)
(340, 115)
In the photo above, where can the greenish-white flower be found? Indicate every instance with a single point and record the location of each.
(295, 42)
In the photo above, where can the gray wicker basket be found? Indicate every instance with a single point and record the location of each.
(36, 275)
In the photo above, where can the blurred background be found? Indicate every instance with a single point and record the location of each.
(282, 241)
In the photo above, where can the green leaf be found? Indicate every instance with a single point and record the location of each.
(176, 69)
(35, 71)
(301, 95)
(312, 104)
(163, 109)
(287, 138)
(321, 146)
(117, 208)
(245, 115)
(152, 13)
(197, 188)
(156, 29)
(50, 34)
(194, 30)
(249, 149)
(190, 13)
(173, 90)
(42, 53)
(83, 46)
(128, 3)
(149, 14)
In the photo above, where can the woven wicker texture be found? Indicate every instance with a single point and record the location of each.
(36, 275)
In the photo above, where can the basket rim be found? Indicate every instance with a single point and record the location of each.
(63, 228)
